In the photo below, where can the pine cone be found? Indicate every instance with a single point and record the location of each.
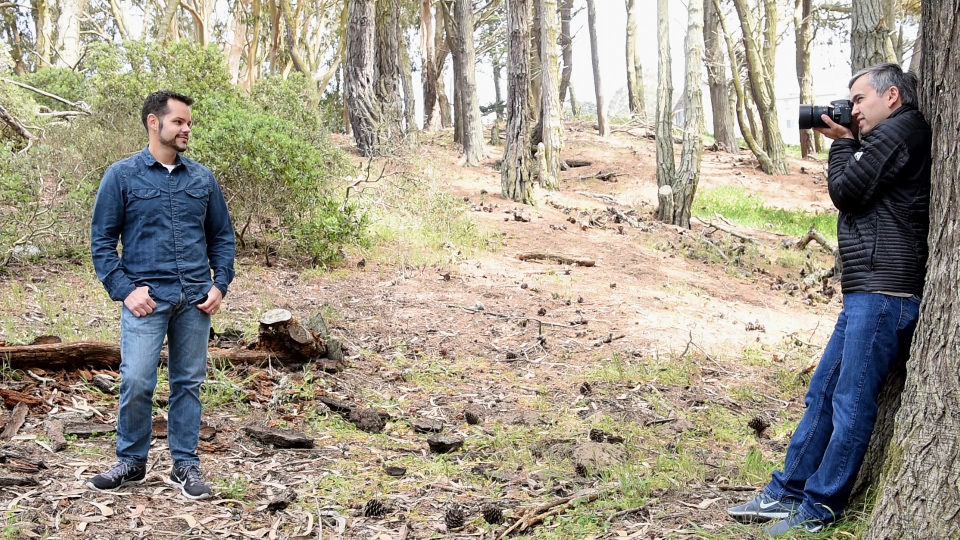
(374, 508)
(473, 415)
(758, 424)
(597, 435)
(580, 469)
(455, 517)
(492, 513)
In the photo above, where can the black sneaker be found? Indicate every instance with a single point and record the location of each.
(190, 481)
(762, 508)
(120, 474)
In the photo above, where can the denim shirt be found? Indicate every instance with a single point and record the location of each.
(174, 228)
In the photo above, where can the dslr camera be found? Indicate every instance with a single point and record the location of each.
(839, 111)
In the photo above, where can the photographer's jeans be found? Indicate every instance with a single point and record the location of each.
(828, 446)
(141, 338)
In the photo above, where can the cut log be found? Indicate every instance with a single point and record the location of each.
(63, 355)
(55, 433)
(281, 333)
(13, 397)
(13, 425)
(10, 481)
(279, 438)
(562, 259)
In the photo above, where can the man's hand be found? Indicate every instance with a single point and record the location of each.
(835, 130)
(212, 304)
(139, 302)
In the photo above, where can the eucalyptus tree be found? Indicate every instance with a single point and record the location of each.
(634, 66)
(595, 58)
(724, 133)
(516, 168)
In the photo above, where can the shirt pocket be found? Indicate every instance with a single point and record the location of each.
(196, 201)
(143, 202)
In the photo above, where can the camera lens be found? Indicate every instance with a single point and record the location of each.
(810, 116)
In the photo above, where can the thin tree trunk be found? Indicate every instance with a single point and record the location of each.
(574, 104)
(550, 117)
(253, 52)
(41, 21)
(802, 29)
(440, 41)
(516, 168)
(871, 33)
(497, 92)
(666, 164)
(406, 76)
(634, 68)
(239, 31)
(359, 83)
(427, 52)
(595, 58)
(452, 39)
(688, 175)
(919, 497)
(387, 71)
(723, 130)
(473, 149)
(566, 50)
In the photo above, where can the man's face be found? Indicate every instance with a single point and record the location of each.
(174, 127)
(869, 107)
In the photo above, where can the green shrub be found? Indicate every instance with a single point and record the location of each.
(63, 82)
(290, 99)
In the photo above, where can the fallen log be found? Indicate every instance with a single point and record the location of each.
(85, 430)
(562, 259)
(279, 438)
(12, 397)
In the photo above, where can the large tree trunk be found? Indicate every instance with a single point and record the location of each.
(683, 186)
(41, 22)
(595, 58)
(919, 498)
(634, 68)
(431, 119)
(550, 118)
(387, 71)
(68, 51)
(723, 131)
(516, 169)
(440, 42)
(871, 33)
(566, 51)
(666, 163)
(359, 72)
(802, 30)
(473, 151)
(759, 57)
(452, 40)
(253, 54)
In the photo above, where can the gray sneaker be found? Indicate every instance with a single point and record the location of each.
(796, 522)
(119, 475)
(190, 481)
(762, 508)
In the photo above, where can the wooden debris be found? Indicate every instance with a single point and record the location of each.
(20, 463)
(86, 429)
(13, 397)
(444, 444)
(336, 405)
(13, 425)
(10, 481)
(813, 235)
(537, 515)
(562, 259)
(62, 355)
(55, 433)
(279, 438)
(727, 230)
(106, 384)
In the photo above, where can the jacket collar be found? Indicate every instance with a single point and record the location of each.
(150, 161)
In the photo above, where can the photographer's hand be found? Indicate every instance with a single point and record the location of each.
(835, 130)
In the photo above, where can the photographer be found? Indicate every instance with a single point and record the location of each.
(879, 180)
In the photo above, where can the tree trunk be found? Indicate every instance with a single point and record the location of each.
(688, 175)
(41, 22)
(387, 71)
(497, 92)
(452, 39)
(473, 150)
(595, 58)
(550, 117)
(760, 70)
(802, 30)
(167, 29)
(443, 103)
(406, 76)
(516, 168)
(239, 31)
(919, 498)
(359, 73)
(871, 33)
(68, 51)
(574, 104)
(666, 164)
(634, 69)
(566, 50)
(723, 130)
(429, 67)
(253, 54)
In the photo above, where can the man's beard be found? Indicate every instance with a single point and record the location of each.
(171, 142)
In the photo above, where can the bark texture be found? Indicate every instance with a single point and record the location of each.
(595, 58)
(684, 185)
(871, 33)
(67, 49)
(359, 73)
(666, 164)
(428, 53)
(804, 36)
(919, 498)
(723, 131)
(516, 169)
(550, 118)
(473, 150)
(387, 70)
(566, 51)
(634, 68)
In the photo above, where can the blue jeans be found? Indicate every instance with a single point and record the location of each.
(141, 338)
(828, 446)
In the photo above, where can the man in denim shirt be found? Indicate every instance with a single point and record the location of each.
(172, 220)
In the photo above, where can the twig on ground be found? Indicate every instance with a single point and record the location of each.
(726, 229)
(511, 317)
(537, 515)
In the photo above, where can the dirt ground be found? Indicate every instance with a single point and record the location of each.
(517, 338)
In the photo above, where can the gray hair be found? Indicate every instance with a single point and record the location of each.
(884, 76)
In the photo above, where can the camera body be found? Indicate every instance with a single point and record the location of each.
(840, 111)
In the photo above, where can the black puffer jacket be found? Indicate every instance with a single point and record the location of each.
(882, 188)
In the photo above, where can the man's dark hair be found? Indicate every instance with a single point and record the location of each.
(156, 104)
(883, 76)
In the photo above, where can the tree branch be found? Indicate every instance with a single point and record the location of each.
(83, 107)
(16, 125)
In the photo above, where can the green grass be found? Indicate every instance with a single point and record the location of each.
(748, 209)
